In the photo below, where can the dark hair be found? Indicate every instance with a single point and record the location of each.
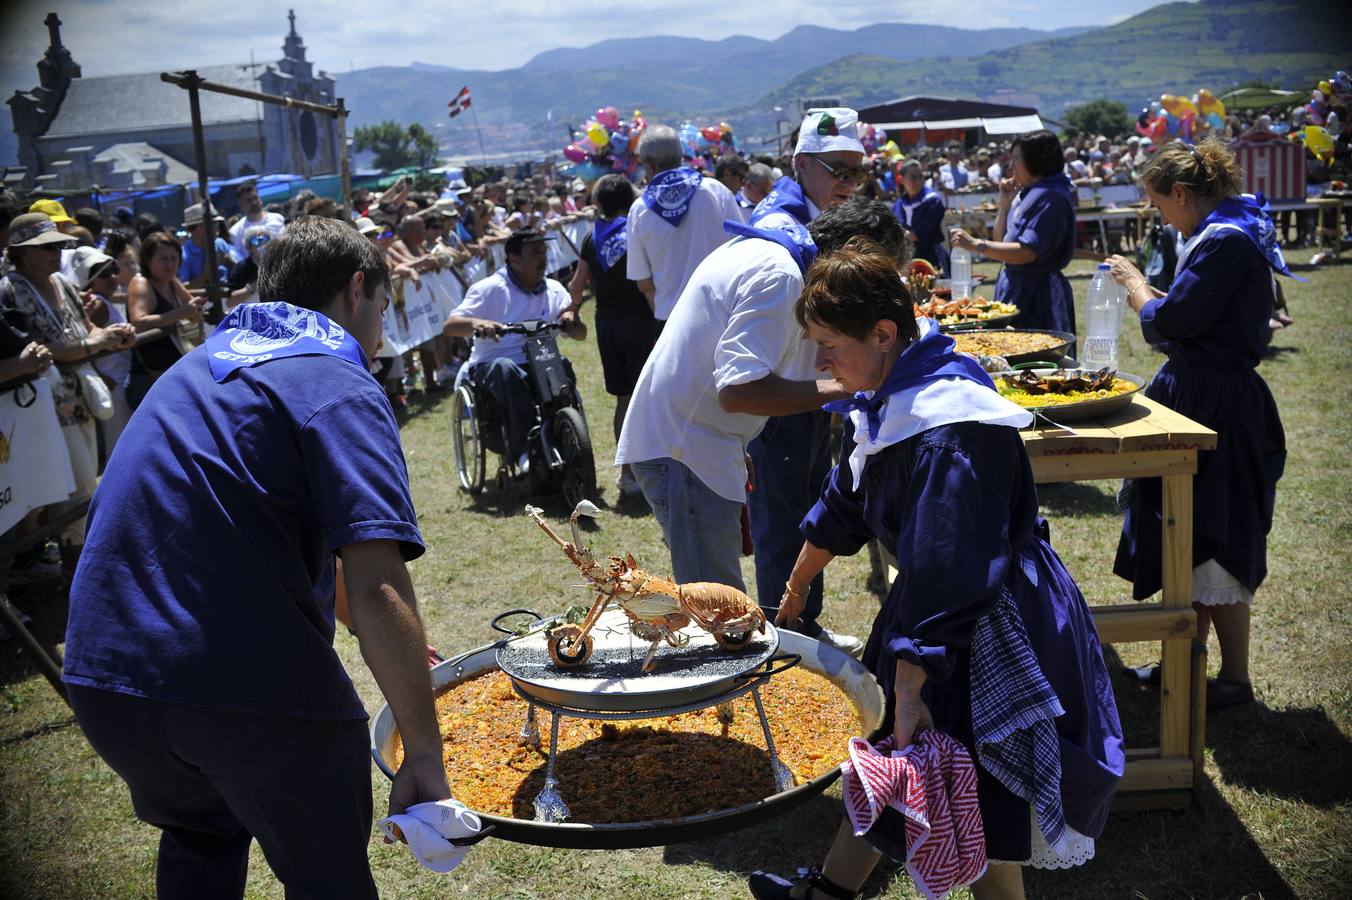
(872, 219)
(314, 258)
(153, 241)
(146, 225)
(1208, 170)
(9, 208)
(91, 219)
(614, 194)
(1042, 153)
(730, 163)
(246, 186)
(114, 242)
(434, 219)
(853, 289)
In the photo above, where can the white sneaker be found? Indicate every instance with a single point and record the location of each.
(523, 463)
(628, 484)
(845, 643)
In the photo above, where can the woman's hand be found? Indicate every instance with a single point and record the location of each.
(114, 337)
(1007, 191)
(38, 356)
(961, 240)
(1124, 272)
(911, 714)
(791, 607)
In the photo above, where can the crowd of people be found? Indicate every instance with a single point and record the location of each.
(706, 284)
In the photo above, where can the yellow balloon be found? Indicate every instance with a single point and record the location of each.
(1318, 140)
(598, 135)
(1325, 88)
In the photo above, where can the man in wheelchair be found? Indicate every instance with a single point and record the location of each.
(517, 292)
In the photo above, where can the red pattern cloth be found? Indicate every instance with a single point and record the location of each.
(932, 783)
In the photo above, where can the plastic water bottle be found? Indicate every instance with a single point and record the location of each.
(960, 272)
(1104, 309)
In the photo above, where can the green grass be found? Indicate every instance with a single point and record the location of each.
(1276, 800)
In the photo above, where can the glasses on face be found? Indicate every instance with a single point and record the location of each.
(181, 233)
(385, 235)
(257, 241)
(846, 174)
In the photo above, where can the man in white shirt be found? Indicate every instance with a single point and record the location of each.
(953, 174)
(676, 223)
(731, 355)
(246, 195)
(517, 292)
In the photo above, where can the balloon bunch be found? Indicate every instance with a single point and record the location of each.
(1330, 103)
(704, 145)
(605, 144)
(1178, 117)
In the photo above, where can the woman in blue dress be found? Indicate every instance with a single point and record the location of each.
(938, 472)
(921, 211)
(1213, 326)
(1036, 215)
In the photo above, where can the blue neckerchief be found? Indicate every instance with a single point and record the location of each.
(1057, 181)
(907, 206)
(255, 333)
(610, 240)
(1250, 214)
(507, 272)
(670, 192)
(787, 197)
(791, 236)
(928, 359)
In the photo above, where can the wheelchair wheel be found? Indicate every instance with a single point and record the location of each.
(468, 444)
(578, 481)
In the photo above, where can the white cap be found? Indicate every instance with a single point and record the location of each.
(828, 130)
(365, 225)
(85, 261)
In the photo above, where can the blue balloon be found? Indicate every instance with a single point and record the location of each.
(1172, 121)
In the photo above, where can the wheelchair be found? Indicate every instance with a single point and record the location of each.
(558, 443)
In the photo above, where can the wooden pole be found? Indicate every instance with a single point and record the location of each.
(483, 155)
(344, 163)
(215, 311)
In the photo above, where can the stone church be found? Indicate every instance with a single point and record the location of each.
(130, 132)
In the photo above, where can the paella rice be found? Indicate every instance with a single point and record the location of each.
(640, 770)
(1031, 401)
(1005, 343)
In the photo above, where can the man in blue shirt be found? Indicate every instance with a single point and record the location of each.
(192, 270)
(199, 652)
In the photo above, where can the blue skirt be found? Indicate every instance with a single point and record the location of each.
(1234, 490)
(1044, 299)
(1061, 631)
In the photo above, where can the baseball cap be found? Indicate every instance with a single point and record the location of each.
(52, 209)
(85, 262)
(526, 236)
(33, 229)
(193, 215)
(366, 226)
(828, 130)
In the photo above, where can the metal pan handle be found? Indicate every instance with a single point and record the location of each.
(512, 612)
(789, 659)
(486, 831)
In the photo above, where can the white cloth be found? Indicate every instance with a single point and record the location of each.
(273, 222)
(500, 299)
(994, 173)
(825, 130)
(943, 402)
(427, 827)
(949, 181)
(1212, 585)
(35, 463)
(669, 256)
(733, 325)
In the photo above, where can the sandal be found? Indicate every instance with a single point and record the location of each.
(1221, 693)
(767, 886)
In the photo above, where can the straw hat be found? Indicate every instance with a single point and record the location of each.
(34, 229)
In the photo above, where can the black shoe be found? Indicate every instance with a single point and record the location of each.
(768, 886)
(1146, 676)
(1221, 693)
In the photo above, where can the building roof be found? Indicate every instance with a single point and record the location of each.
(138, 157)
(123, 103)
(937, 113)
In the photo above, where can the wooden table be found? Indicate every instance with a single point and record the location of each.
(1146, 440)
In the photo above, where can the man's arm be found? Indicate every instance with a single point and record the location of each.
(649, 291)
(777, 396)
(467, 326)
(384, 615)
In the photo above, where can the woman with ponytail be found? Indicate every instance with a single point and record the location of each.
(1213, 326)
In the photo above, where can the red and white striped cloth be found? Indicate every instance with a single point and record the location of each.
(932, 783)
(1275, 168)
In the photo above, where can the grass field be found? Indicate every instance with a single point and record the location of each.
(1273, 819)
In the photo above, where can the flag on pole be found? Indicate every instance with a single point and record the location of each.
(460, 103)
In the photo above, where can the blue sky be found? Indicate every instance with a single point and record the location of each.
(111, 36)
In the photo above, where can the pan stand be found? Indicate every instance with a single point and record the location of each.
(550, 806)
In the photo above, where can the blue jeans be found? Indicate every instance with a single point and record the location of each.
(792, 458)
(507, 382)
(703, 529)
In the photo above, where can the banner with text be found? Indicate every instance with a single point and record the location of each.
(34, 462)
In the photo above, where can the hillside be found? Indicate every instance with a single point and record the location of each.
(666, 77)
(1176, 47)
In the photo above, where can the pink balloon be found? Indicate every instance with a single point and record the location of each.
(575, 153)
(608, 116)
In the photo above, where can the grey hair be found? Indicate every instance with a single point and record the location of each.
(660, 148)
(760, 174)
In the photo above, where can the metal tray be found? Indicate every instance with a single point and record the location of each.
(611, 680)
(846, 672)
(1053, 354)
(1089, 409)
(980, 324)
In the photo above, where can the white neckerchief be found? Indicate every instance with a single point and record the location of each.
(1191, 243)
(934, 403)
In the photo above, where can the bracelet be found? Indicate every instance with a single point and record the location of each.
(1136, 287)
(84, 345)
(789, 590)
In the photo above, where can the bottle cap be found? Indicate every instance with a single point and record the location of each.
(1103, 267)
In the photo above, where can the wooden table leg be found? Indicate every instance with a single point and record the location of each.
(1176, 722)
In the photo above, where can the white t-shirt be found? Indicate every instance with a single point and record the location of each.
(734, 324)
(273, 222)
(499, 299)
(950, 179)
(994, 173)
(670, 255)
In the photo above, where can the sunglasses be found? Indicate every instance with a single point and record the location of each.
(257, 241)
(385, 235)
(847, 174)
